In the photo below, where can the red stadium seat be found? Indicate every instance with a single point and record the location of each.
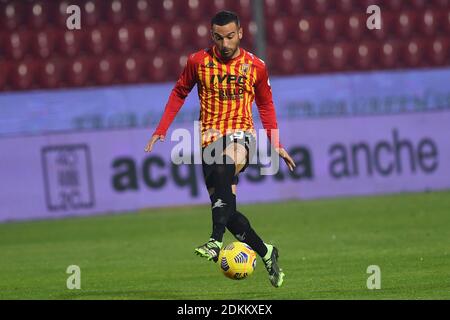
(158, 67)
(419, 4)
(43, 42)
(284, 60)
(355, 26)
(71, 42)
(11, 14)
(143, 11)
(215, 6)
(445, 4)
(390, 54)
(117, 11)
(347, 6)
(313, 58)
(278, 30)
(5, 66)
(131, 68)
(169, 10)
(179, 62)
(294, 8)
(414, 53)
(395, 4)
(446, 21)
(271, 59)
(17, 44)
(38, 12)
(193, 10)
(272, 9)
(364, 4)
(23, 74)
(179, 35)
(304, 29)
(3, 40)
(202, 37)
(98, 39)
(387, 26)
(320, 6)
(405, 23)
(250, 29)
(243, 8)
(340, 56)
(150, 36)
(438, 51)
(331, 28)
(91, 13)
(78, 71)
(429, 22)
(124, 38)
(104, 70)
(60, 12)
(288, 59)
(366, 55)
(50, 73)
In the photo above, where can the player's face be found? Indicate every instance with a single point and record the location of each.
(227, 39)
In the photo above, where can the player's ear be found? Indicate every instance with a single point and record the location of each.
(212, 34)
(240, 33)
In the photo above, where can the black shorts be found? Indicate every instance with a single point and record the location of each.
(247, 139)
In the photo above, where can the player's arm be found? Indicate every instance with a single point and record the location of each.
(184, 85)
(266, 109)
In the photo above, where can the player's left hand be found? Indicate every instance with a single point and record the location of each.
(286, 157)
(152, 141)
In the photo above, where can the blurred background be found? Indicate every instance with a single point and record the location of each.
(77, 106)
(142, 41)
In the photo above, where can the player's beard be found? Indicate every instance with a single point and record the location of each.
(228, 54)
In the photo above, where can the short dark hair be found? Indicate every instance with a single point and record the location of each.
(225, 17)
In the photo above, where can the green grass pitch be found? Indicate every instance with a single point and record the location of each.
(325, 249)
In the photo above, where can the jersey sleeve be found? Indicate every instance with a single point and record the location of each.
(183, 87)
(266, 108)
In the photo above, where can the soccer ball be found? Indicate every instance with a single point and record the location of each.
(237, 260)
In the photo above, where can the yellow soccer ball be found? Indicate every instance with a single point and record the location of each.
(237, 260)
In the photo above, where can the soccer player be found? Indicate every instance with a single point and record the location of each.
(228, 79)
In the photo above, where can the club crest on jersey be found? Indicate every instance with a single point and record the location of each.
(210, 64)
(245, 68)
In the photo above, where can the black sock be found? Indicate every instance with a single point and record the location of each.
(220, 217)
(240, 227)
(223, 201)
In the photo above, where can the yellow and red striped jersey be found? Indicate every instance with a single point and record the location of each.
(226, 90)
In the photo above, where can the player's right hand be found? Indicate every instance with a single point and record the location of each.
(152, 141)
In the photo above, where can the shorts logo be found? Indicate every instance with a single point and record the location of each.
(219, 204)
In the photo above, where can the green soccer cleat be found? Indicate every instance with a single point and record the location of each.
(209, 250)
(276, 275)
